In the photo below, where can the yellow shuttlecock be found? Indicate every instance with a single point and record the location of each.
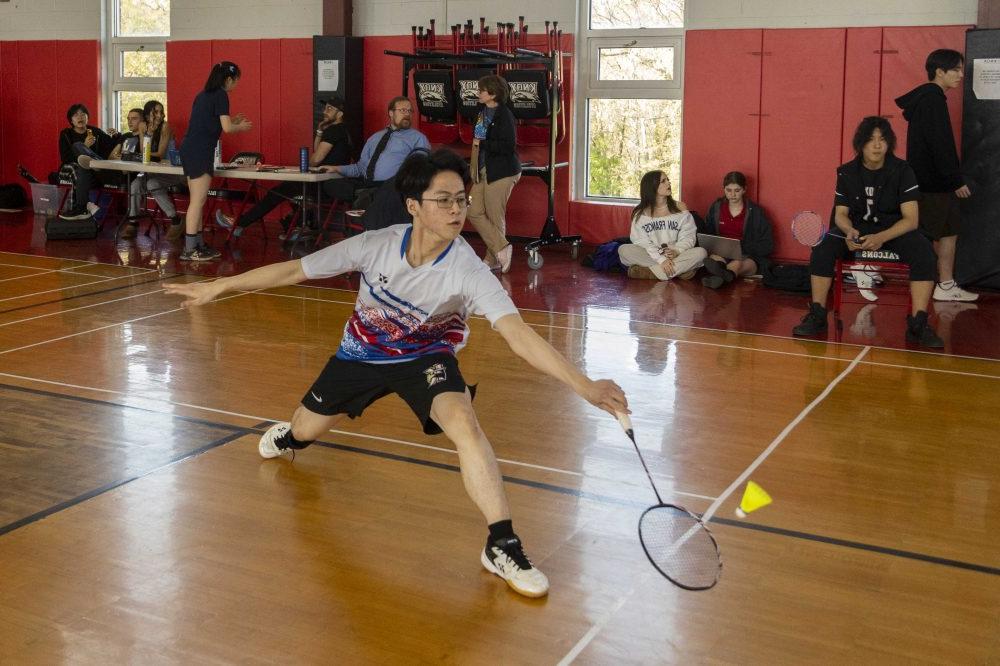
(754, 497)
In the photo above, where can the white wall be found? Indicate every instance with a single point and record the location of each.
(245, 19)
(50, 19)
(704, 14)
(394, 17)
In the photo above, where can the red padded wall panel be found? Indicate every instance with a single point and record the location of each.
(245, 98)
(188, 65)
(267, 125)
(296, 81)
(905, 50)
(383, 79)
(40, 117)
(862, 67)
(8, 111)
(800, 140)
(721, 99)
(78, 76)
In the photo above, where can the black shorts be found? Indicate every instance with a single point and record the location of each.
(348, 387)
(940, 214)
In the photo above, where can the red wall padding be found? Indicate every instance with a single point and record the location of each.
(274, 92)
(39, 80)
(815, 85)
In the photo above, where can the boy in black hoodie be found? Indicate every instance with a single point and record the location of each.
(930, 150)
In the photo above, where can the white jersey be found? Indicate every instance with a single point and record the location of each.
(678, 231)
(403, 312)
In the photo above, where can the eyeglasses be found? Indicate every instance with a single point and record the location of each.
(445, 203)
(403, 110)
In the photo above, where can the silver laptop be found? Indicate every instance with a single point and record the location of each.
(720, 245)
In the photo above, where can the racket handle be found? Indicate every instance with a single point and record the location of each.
(625, 422)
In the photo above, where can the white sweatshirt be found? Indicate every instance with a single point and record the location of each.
(677, 231)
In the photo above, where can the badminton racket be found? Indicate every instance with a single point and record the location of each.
(678, 544)
(809, 229)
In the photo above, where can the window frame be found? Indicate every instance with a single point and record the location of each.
(113, 48)
(588, 87)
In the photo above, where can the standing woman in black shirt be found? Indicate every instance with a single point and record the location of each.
(209, 119)
(331, 145)
(495, 169)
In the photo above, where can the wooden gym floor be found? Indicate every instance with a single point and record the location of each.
(139, 525)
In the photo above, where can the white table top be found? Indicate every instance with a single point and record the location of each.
(243, 172)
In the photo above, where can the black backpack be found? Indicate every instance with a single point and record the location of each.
(788, 277)
(12, 197)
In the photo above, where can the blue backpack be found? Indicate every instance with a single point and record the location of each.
(605, 258)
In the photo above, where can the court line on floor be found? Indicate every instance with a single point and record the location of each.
(84, 307)
(71, 271)
(726, 331)
(253, 417)
(91, 293)
(71, 286)
(41, 271)
(759, 460)
(574, 492)
(699, 342)
(120, 323)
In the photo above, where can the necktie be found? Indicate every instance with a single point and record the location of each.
(382, 143)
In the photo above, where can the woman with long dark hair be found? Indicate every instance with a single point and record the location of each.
(209, 119)
(734, 215)
(154, 125)
(663, 234)
(496, 168)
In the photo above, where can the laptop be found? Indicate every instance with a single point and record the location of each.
(720, 245)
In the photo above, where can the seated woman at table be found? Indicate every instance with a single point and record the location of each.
(331, 145)
(734, 215)
(154, 126)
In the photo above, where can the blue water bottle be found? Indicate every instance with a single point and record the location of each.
(304, 159)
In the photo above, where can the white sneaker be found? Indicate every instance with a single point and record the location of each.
(506, 559)
(865, 278)
(952, 292)
(493, 265)
(267, 447)
(505, 256)
(92, 208)
(84, 160)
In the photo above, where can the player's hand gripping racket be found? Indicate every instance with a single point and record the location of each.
(678, 544)
(809, 229)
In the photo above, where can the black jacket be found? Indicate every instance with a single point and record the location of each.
(758, 239)
(851, 191)
(102, 146)
(500, 146)
(930, 144)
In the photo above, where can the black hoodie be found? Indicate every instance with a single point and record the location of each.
(930, 144)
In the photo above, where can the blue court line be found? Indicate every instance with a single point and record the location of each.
(89, 293)
(573, 492)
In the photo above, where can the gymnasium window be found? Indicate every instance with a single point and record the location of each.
(628, 101)
(135, 48)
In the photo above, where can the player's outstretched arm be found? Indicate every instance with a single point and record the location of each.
(273, 275)
(530, 346)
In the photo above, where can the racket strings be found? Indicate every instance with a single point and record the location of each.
(680, 547)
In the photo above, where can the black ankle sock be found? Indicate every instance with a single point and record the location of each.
(288, 441)
(502, 529)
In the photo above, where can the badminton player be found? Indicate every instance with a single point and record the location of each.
(419, 284)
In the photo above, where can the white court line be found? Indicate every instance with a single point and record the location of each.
(41, 271)
(68, 271)
(253, 417)
(707, 516)
(66, 288)
(120, 323)
(82, 307)
(700, 342)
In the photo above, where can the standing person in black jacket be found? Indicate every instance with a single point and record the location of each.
(736, 216)
(930, 150)
(875, 207)
(495, 168)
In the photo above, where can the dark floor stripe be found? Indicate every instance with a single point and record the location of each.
(116, 484)
(605, 499)
(89, 293)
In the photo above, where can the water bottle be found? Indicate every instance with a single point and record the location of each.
(172, 155)
(218, 155)
(147, 149)
(304, 159)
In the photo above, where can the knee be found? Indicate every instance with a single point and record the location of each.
(458, 420)
(698, 253)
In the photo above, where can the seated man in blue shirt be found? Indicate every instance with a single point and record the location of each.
(382, 155)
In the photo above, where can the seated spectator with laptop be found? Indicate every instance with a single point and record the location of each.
(80, 138)
(735, 216)
(663, 234)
